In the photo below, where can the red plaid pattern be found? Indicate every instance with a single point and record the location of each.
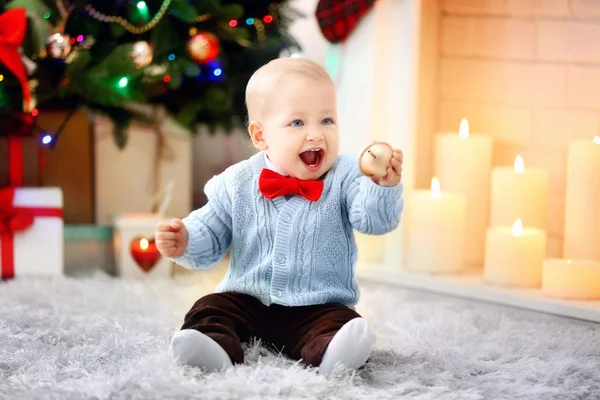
(338, 18)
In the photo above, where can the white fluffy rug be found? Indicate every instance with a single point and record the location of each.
(103, 338)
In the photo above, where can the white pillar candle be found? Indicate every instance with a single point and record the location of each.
(571, 279)
(582, 201)
(463, 163)
(514, 256)
(436, 224)
(519, 193)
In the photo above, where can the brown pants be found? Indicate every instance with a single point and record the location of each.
(301, 333)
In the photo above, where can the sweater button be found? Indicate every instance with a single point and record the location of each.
(287, 218)
(279, 293)
(280, 259)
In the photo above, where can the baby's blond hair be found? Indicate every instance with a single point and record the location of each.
(265, 79)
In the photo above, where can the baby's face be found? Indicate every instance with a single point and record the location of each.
(300, 127)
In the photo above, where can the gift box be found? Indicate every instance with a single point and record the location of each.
(69, 163)
(21, 158)
(19, 161)
(89, 249)
(31, 232)
(134, 179)
(136, 254)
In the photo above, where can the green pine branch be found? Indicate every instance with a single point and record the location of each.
(104, 78)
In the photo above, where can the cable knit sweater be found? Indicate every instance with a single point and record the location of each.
(289, 251)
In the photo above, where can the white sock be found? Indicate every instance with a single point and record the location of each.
(194, 348)
(351, 347)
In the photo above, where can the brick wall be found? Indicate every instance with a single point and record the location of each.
(527, 72)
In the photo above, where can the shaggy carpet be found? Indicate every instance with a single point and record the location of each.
(104, 338)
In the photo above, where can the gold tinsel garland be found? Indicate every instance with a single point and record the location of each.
(126, 24)
(92, 12)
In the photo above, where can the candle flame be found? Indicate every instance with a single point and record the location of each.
(435, 188)
(519, 165)
(597, 139)
(144, 244)
(517, 228)
(463, 131)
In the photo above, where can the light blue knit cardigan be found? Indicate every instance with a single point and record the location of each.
(289, 251)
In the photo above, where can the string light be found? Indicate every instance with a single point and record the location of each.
(1, 77)
(167, 79)
(217, 72)
(80, 38)
(123, 82)
(250, 21)
(233, 23)
(268, 19)
(35, 112)
(171, 57)
(141, 5)
(47, 15)
(46, 139)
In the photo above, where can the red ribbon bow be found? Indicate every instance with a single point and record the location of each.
(14, 219)
(272, 184)
(13, 25)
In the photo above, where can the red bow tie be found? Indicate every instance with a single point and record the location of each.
(272, 184)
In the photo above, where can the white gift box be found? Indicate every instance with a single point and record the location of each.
(31, 218)
(136, 255)
(125, 177)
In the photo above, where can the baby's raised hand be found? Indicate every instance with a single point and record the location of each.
(382, 163)
(171, 238)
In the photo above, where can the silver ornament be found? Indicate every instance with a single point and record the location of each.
(58, 46)
(141, 54)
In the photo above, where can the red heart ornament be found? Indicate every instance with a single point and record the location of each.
(144, 252)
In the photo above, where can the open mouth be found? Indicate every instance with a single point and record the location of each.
(312, 158)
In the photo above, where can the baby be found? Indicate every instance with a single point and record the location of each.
(288, 213)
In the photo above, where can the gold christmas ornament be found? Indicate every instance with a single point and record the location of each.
(141, 54)
(58, 46)
(375, 158)
(203, 47)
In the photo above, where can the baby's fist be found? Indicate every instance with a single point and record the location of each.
(382, 163)
(171, 238)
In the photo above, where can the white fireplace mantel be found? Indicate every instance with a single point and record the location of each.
(388, 90)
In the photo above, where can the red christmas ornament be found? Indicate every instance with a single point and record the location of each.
(144, 252)
(203, 47)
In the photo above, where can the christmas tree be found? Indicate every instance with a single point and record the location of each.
(138, 59)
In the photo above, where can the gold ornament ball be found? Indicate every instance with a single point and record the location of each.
(375, 159)
(58, 46)
(203, 47)
(141, 54)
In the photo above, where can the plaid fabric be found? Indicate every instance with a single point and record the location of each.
(338, 18)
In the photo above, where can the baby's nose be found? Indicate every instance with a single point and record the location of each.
(314, 134)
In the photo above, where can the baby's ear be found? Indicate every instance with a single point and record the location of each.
(257, 136)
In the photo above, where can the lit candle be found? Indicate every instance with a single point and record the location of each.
(582, 201)
(519, 193)
(514, 256)
(135, 247)
(571, 279)
(463, 163)
(436, 224)
(144, 252)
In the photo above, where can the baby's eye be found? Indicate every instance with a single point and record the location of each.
(297, 123)
(327, 121)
